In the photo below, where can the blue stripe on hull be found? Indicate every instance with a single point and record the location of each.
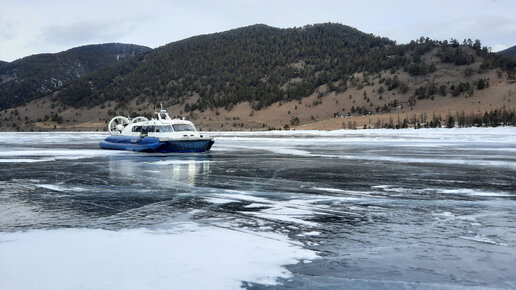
(145, 144)
(152, 144)
(186, 146)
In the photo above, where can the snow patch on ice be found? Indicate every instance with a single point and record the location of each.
(216, 200)
(290, 211)
(273, 149)
(335, 190)
(312, 233)
(18, 155)
(25, 160)
(60, 188)
(52, 137)
(483, 239)
(493, 194)
(287, 151)
(341, 191)
(474, 192)
(390, 188)
(282, 217)
(255, 205)
(449, 161)
(237, 196)
(55, 152)
(445, 214)
(186, 257)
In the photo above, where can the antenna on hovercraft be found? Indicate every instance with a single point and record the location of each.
(162, 114)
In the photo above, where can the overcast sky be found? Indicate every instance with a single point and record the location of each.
(36, 26)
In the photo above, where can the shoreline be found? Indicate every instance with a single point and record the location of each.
(289, 130)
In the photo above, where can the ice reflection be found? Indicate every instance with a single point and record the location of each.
(163, 171)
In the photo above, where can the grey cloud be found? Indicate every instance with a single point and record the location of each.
(490, 29)
(55, 25)
(7, 31)
(87, 32)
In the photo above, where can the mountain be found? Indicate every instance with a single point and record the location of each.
(247, 64)
(34, 76)
(257, 77)
(509, 52)
(259, 64)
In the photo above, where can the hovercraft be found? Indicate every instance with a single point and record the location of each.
(164, 135)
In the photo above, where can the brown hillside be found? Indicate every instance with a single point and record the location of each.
(322, 110)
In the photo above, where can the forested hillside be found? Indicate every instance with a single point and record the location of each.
(318, 76)
(509, 52)
(263, 65)
(34, 76)
(259, 64)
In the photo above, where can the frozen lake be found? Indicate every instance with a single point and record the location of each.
(371, 209)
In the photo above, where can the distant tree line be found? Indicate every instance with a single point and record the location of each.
(493, 118)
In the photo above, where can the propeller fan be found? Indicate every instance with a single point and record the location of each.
(117, 124)
(139, 119)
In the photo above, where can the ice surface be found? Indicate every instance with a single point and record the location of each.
(46, 155)
(56, 187)
(64, 138)
(469, 139)
(483, 239)
(289, 211)
(187, 256)
(187, 162)
(25, 160)
(474, 192)
(329, 189)
(382, 209)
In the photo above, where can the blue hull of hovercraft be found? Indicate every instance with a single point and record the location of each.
(152, 144)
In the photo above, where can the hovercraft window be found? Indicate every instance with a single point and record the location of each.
(183, 127)
(146, 129)
(137, 129)
(167, 128)
(162, 129)
(153, 129)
